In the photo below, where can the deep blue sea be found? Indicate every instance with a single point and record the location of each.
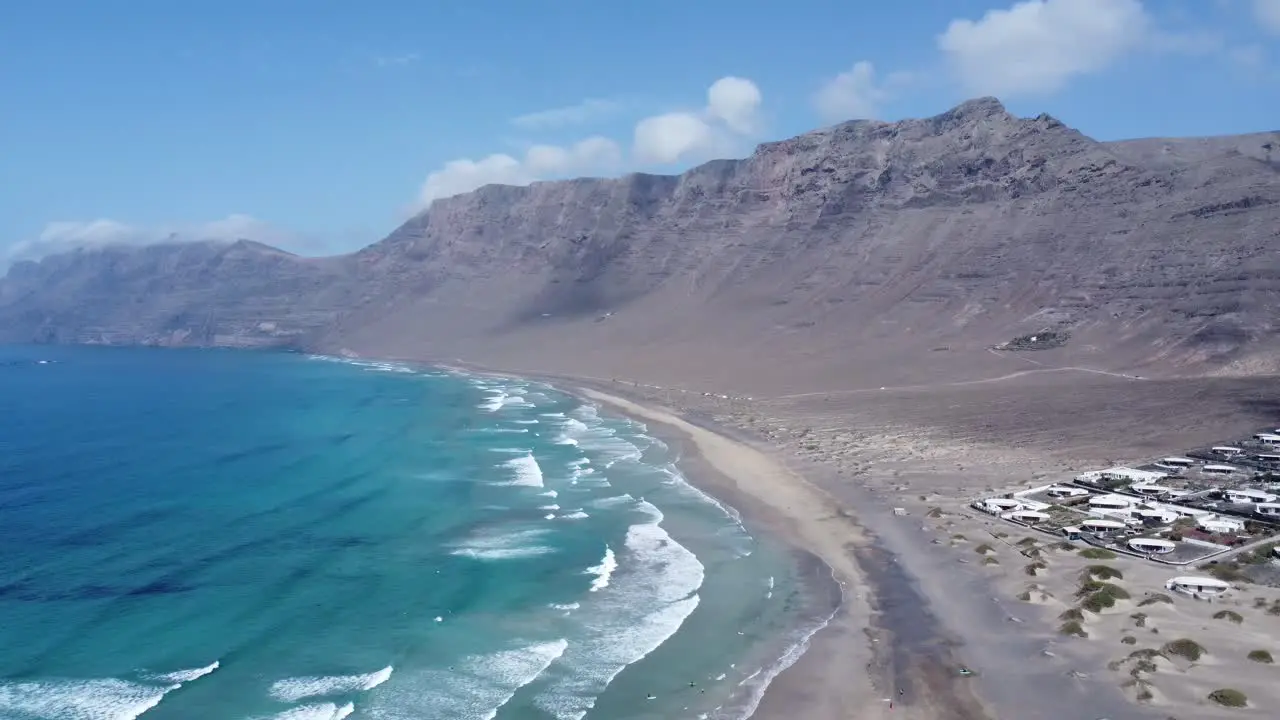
(228, 535)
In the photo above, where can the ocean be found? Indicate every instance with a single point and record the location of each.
(191, 534)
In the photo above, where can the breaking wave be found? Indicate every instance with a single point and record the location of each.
(476, 689)
(91, 699)
(321, 686)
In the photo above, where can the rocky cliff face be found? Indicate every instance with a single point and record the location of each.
(869, 252)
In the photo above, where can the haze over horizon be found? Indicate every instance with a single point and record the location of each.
(320, 131)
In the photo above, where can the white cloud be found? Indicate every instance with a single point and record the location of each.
(853, 94)
(584, 112)
(1037, 46)
(1268, 14)
(595, 154)
(732, 112)
(667, 138)
(67, 235)
(736, 101)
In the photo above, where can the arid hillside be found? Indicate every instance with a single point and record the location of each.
(861, 255)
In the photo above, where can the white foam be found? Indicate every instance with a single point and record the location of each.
(549, 507)
(565, 606)
(549, 516)
(379, 365)
(317, 711)
(526, 470)
(475, 689)
(615, 501)
(550, 494)
(646, 602)
(527, 422)
(788, 659)
(92, 699)
(603, 571)
(493, 403)
(319, 686)
(499, 545)
(575, 515)
(184, 676)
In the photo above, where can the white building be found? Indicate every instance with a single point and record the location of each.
(1156, 513)
(1268, 439)
(1197, 586)
(1178, 461)
(1111, 502)
(1130, 475)
(1271, 510)
(1220, 524)
(1065, 491)
(1030, 517)
(1218, 469)
(1154, 546)
(999, 506)
(1227, 450)
(1245, 497)
(1099, 525)
(1150, 489)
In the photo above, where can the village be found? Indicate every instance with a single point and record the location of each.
(1216, 509)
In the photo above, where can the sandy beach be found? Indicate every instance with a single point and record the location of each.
(876, 658)
(942, 587)
(876, 484)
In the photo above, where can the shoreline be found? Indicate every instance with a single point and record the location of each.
(840, 663)
(881, 651)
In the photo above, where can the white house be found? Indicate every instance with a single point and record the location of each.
(1029, 517)
(1128, 474)
(1178, 461)
(1269, 510)
(1102, 525)
(1156, 513)
(1065, 491)
(1218, 469)
(1154, 546)
(1227, 450)
(1111, 502)
(1268, 439)
(1149, 489)
(1197, 586)
(997, 506)
(1220, 524)
(1245, 497)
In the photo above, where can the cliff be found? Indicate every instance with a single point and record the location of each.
(868, 253)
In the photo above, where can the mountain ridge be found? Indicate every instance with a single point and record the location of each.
(847, 255)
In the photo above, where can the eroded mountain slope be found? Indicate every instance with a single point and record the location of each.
(868, 253)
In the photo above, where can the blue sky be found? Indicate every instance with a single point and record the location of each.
(321, 125)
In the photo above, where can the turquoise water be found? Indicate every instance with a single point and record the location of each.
(213, 534)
